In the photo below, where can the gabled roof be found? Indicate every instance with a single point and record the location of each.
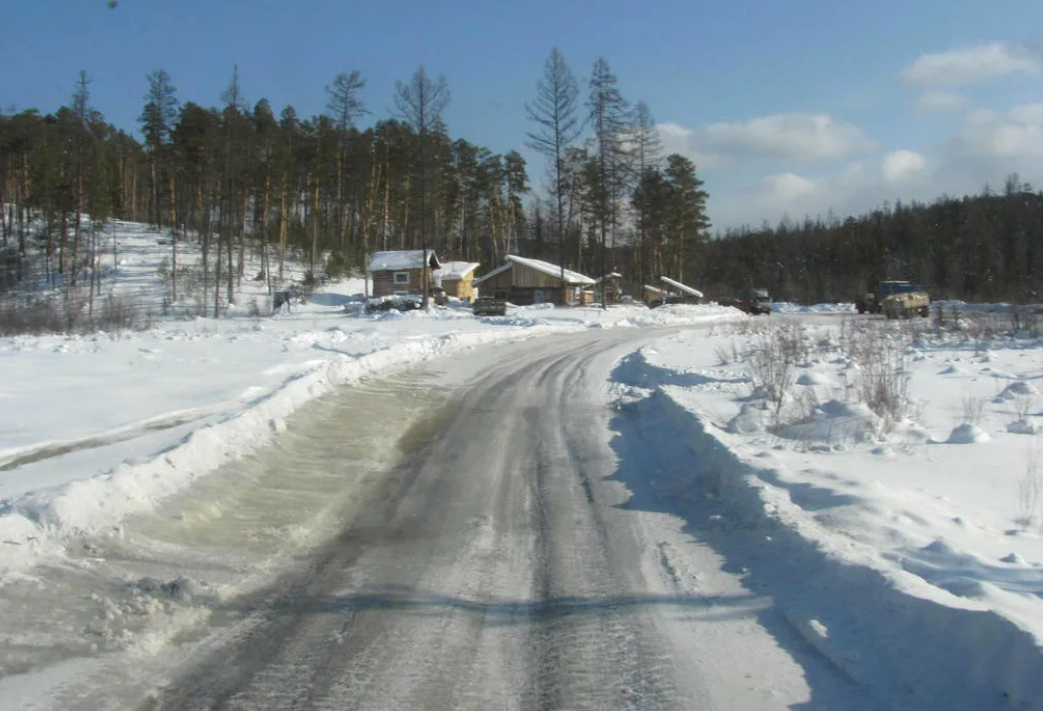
(499, 270)
(539, 265)
(404, 259)
(456, 270)
(610, 275)
(653, 289)
(681, 287)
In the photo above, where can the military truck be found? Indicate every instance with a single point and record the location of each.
(489, 306)
(752, 301)
(894, 299)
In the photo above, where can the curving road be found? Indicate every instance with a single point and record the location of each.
(498, 567)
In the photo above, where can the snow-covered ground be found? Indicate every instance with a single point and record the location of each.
(880, 481)
(97, 427)
(906, 548)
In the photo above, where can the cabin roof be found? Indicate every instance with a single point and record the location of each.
(402, 259)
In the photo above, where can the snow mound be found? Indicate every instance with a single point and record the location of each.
(750, 420)
(1023, 427)
(1019, 388)
(813, 378)
(967, 434)
(835, 422)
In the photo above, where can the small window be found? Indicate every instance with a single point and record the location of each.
(401, 278)
(537, 296)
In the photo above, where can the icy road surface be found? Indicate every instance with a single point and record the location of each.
(494, 565)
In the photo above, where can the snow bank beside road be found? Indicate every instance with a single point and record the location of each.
(236, 384)
(886, 559)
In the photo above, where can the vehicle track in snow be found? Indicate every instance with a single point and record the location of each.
(495, 567)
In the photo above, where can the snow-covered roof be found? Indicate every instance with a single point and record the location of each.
(653, 289)
(681, 287)
(456, 270)
(404, 259)
(610, 275)
(553, 270)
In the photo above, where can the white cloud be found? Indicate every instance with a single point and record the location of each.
(971, 65)
(942, 101)
(786, 187)
(988, 147)
(794, 137)
(1018, 133)
(902, 166)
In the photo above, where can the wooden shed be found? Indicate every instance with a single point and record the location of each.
(525, 281)
(611, 289)
(400, 273)
(457, 279)
(690, 295)
(652, 293)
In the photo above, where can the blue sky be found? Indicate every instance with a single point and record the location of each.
(788, 107)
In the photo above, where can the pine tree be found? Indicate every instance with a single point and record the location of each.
(157, 121)
(555, 110)
(420, 104)
(345, 106)
(608, 118)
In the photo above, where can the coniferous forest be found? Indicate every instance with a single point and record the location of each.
(246, 182)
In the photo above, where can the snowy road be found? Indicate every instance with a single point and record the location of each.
(496, 566)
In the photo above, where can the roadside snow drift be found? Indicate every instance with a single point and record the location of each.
(903, 547)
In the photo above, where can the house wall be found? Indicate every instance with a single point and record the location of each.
(384, 282)
(460, 288)
(520, 283)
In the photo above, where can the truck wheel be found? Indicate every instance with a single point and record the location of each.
(925, 311)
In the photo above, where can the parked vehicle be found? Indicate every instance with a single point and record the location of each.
(669, 299)
(894, 299)
(489, 306)
(752, 301)
(398, 303)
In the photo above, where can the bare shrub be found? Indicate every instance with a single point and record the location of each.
(1022, 407)
(71, 315)
(1029, 488)
(883, 383)
(771, 369)
(972, 407)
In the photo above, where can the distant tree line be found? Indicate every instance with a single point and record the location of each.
(986, 247)
(240, 181)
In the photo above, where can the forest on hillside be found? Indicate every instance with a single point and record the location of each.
(238, 180)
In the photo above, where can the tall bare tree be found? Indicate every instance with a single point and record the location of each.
(345, 106)
(608, 118)
(647, 154)
(555, 111)
(420, 104)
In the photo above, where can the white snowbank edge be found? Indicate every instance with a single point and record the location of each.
(37, 527)
(888, 629)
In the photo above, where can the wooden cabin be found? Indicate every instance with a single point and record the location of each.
(525, 281)
(611, 290)
(401, 273)
(457, 279)
(651, 293)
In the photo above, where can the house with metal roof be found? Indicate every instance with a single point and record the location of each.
(526, 281)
